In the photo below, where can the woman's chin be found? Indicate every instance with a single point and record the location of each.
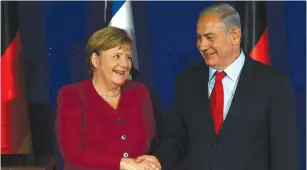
(119, 81)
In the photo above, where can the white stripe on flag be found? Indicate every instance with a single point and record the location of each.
(123, 19)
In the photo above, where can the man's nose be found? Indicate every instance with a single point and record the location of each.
(203, 45)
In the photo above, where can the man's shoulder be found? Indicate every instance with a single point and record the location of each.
(269, 72)
(193, 71)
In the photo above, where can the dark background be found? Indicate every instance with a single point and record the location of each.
(54, 35)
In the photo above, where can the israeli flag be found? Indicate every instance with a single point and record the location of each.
(122, 18)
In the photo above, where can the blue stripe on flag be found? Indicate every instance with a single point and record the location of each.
(116, 5)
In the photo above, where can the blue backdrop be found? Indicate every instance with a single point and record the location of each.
(54, 35)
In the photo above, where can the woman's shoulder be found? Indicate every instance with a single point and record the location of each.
(133, 85)
(71, 88)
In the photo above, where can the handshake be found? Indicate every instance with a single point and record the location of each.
(145, 162)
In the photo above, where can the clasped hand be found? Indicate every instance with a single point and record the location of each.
(145, 162)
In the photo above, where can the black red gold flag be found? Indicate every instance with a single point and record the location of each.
(255, 35)
(15, 134)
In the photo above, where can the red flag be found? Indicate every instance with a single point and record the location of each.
(254, 29)
(14, 115)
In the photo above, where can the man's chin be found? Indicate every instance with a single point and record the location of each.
(210, 63)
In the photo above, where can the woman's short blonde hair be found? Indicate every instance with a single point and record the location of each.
(105, 39)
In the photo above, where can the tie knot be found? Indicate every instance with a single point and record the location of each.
(219, 76)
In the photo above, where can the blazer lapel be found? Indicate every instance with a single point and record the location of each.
(240, 96)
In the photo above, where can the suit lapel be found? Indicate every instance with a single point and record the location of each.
(240, 95)
(204, 104)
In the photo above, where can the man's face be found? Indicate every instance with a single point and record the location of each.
(213, 41)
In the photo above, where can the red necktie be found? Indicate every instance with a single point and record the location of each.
(217, 101)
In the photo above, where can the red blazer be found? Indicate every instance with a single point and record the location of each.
(93, 135)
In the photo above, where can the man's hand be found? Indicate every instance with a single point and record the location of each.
(148, 159)
(130, 164)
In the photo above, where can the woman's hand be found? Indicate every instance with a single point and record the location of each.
(130, 164)
(150, 160)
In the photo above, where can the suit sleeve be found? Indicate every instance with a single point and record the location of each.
(70, 137)
(174, 138)
(284, 128)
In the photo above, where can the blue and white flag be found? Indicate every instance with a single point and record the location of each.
(122, 18)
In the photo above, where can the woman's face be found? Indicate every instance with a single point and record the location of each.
(114, 64)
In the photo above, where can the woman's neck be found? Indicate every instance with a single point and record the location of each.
(103, 87)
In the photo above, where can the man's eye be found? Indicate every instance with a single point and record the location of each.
(129, 57)
(209, 38)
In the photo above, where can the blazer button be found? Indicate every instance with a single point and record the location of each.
(124, 137)
(119, 121)
(125, 154)
(216, 145)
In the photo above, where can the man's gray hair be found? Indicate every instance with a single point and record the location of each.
(230, 16)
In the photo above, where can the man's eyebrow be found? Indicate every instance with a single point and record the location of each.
(207, 34)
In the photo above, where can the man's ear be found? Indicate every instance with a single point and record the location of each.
(235, 35)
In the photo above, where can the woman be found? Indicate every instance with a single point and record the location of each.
(106, 121)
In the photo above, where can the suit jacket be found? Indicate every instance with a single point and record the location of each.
(93, 135)
(260, 131)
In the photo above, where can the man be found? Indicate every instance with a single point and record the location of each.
(233, 112)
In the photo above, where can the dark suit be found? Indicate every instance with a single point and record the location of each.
(260, 131)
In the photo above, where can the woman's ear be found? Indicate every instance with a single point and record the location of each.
(94, 60)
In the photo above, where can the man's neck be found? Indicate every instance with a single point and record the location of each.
(231, 59)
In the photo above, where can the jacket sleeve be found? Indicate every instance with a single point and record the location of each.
(149, 117)
(174, 139)
(284, 127)
(70, 139)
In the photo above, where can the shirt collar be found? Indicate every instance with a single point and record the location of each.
(233, 70)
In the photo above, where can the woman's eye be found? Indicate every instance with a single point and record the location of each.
(116, 56)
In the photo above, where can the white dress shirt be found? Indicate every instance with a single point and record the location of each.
(230, 81)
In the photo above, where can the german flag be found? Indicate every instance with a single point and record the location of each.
(255, 35)
(15, 136)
